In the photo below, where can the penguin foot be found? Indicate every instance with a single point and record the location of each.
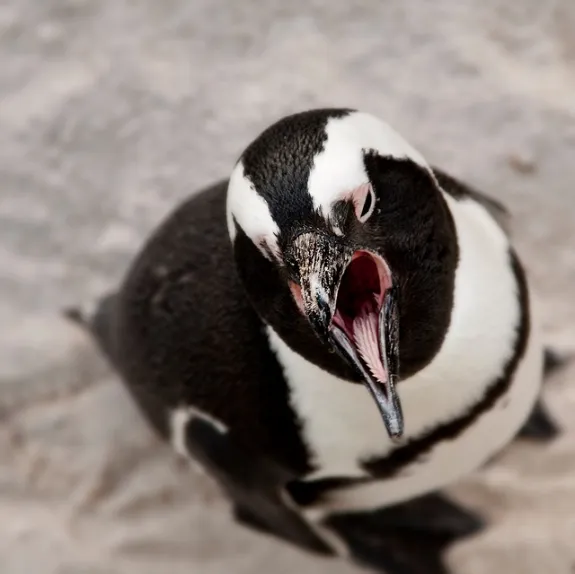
(409, 538)
(540, 426)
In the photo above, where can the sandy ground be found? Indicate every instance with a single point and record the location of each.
(112, 111)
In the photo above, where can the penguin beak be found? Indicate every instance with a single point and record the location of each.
(352, 305)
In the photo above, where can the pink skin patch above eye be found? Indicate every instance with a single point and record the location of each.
(358, 197)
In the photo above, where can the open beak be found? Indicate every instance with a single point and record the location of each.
(351, 303)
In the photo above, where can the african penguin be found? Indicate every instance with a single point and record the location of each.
(358, 336)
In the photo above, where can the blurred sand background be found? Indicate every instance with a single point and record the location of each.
(112, 111)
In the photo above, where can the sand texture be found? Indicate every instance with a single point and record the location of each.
(113, 111)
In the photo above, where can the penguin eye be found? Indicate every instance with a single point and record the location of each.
(364, 200)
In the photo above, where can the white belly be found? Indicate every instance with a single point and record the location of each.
(340, 420)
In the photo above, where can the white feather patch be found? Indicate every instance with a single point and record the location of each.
(340, 168)
(251, 211)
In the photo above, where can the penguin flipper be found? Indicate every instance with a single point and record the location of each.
(98, 322)
(254, 485)
(552, 362)
(459, 190)
(407, 538)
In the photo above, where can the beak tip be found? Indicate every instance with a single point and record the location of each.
(396, 433)
(395, 427)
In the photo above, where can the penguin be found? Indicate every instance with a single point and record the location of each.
(335, 333)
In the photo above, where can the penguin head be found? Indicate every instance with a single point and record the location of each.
(346, 248)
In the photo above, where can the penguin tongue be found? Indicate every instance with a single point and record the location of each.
(366, 334)
(360, 298)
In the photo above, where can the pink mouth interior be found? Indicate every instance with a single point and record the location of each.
(359, 301)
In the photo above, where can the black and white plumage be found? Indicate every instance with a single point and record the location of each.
(346, 259)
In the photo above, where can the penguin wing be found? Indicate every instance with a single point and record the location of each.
(253, 483)
(460, 190)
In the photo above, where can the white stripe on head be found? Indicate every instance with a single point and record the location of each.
(339, 168)
(251, 212)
